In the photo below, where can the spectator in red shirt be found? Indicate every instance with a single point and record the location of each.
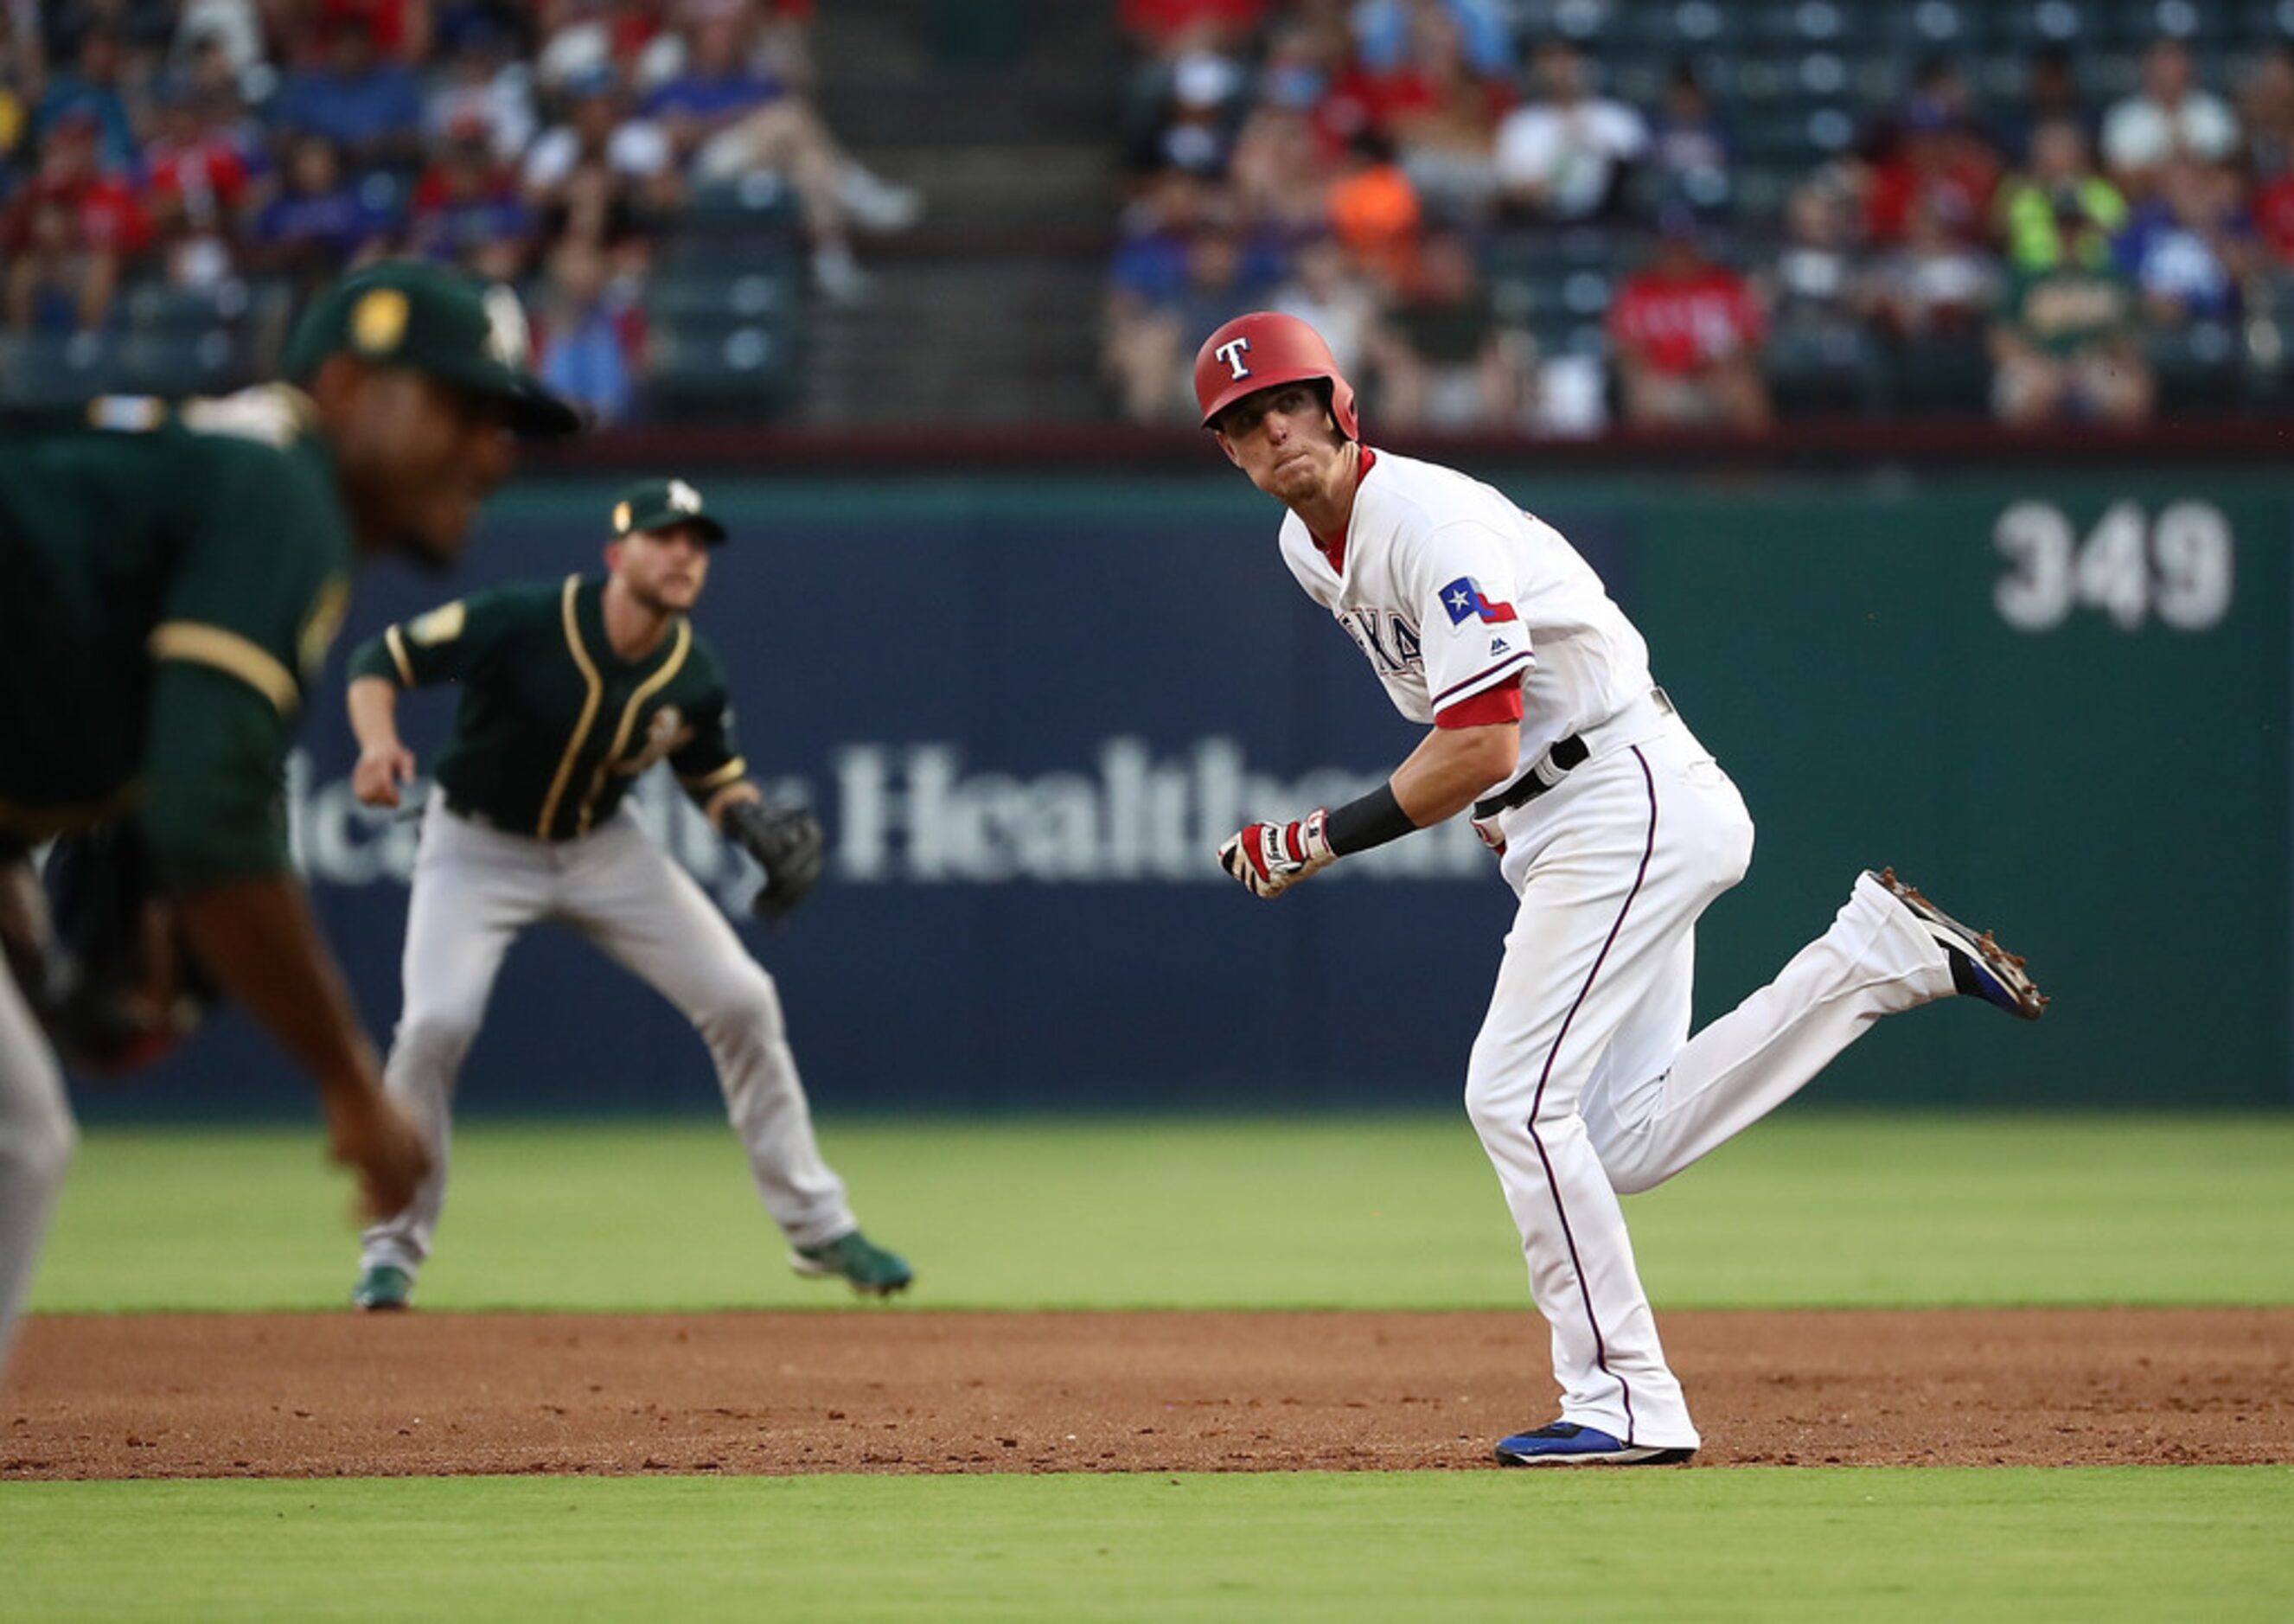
(69, 232)
(197, 183)
(1686, 334)
(399, 28)
(2274, 218)
(1443, 117)
(1167, 27)
(1936, 164)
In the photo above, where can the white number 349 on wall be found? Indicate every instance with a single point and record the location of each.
(2131, 566)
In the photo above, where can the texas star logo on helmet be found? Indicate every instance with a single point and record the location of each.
(1232, 352)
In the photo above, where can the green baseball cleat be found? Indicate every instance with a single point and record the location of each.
(872, 1272)
(383, 1287)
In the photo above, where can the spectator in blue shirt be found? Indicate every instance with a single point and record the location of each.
(93, 90)
(320, 222)
(370, 108)
(589, 331)
(1382, 34)
(1690, 151)
(466, 210)
(2188, 247)
(714, 89)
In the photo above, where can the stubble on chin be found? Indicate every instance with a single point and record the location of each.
(1295, 482)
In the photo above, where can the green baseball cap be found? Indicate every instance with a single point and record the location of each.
(433, 318)
(656, 504)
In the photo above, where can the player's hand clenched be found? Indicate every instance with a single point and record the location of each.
(1267, 859)
(381, 769)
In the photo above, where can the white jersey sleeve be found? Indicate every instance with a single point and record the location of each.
(1461, 579)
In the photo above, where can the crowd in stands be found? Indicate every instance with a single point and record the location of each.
(1494, 240)
(202, 144)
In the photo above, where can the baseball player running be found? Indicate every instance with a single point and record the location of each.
(175, 579)
(1613, 826)
(569, 691)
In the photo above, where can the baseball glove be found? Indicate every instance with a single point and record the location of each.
(787, 844)
(120, 988)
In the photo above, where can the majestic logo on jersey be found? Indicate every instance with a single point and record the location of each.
(1232, 352)
(1464, 600)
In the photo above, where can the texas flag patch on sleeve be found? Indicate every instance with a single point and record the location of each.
(1465, 601)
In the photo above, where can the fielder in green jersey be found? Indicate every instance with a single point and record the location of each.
(175, 575)
(569, 691)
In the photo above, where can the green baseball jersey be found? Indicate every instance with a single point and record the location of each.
(174, 581)
(2070, 308)
(552, 727)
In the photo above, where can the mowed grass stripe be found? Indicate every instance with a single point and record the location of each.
(2133, 1543)
(1403, 1213)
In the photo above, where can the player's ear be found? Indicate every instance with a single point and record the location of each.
(335, 384)
(1227, 446)
(613, 556)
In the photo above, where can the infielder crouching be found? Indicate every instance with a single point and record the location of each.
(569, 691)
(1616, 831)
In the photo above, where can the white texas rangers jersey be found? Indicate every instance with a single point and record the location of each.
(1451, 591)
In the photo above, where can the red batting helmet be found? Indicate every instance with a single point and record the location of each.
(1263, 349)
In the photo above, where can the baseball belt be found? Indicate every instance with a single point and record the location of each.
(1572, 753)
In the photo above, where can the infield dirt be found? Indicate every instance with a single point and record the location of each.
(888, 1390)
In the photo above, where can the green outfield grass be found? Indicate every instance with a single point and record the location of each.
(1388, 1213)
(1753, 1544)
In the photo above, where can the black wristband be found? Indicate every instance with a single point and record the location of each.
(1373, 820)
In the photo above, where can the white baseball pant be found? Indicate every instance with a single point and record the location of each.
(37, 1136)
(476, 887)
(1584, 1083)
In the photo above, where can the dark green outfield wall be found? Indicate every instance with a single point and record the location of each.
(2100, 764)
(1028, 707)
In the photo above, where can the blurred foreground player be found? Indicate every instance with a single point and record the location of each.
(569, 691)
(174, 577)
(1613, 826)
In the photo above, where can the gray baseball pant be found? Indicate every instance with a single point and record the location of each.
(476, 887)
(37, 1136)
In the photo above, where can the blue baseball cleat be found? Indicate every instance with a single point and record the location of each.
(1564, 1443)
(1979, 967)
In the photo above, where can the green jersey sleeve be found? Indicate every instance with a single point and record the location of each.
(216, 808)
(247, 615)
(707, 758)
(444, 645)
(262, 577)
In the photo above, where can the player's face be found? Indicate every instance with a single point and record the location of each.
(664, 570)
(1284, 439)
(417, 458)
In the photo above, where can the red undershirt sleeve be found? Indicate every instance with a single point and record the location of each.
(1485, 709)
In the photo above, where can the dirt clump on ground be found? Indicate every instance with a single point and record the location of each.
(889, 1390)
